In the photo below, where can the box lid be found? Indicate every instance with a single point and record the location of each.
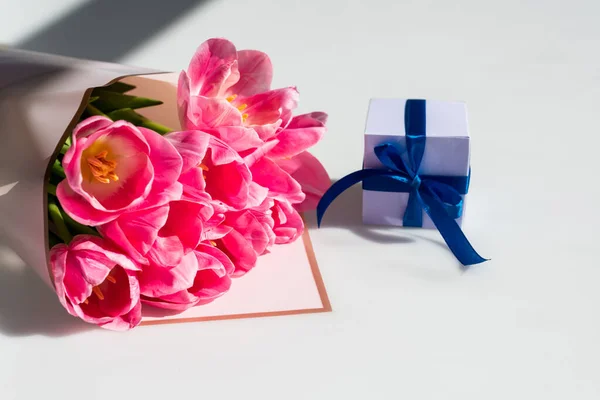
(444, 118)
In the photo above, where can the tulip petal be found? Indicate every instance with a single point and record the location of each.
(267, 111)
(250, 228)
(156, 281)
(303, 132)
(90, 125)
(58, 262)
(239, 251)
(218, 254)
(256, 195)
(126, 321)
(186, 221)
(194, 185)
(213, 67)
(117, 296)
(310, 173)
(165, 159)
(212, 279)
(191, 145)
(162, 196)
(210, 112)
(256, 73)
(281, 185)
(239, 138)
(136, 232)
(89, 243)
(288, 223)
(253, 156)
(166, 252)
(79, 208)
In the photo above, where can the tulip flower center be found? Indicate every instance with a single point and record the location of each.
(204, 168)
(240, 107)
(102, 169)
(97, 291)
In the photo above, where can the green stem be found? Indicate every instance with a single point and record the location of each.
(129, 115)
(56, 216)
(77, 227)
(156, 127)
(94, 111)
(51, 189)
(58, 170)
(66, 145)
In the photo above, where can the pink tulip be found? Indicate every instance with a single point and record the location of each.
(224, 87)
(288, 224)
(264, 215)
(96, 283)
(248, 238)
(305, 169)
(161, 235)
(114, 167)
(201, 277)
(279, 183)
(303, 132)
(211, 166)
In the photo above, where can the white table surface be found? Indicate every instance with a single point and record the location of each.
(407, 322)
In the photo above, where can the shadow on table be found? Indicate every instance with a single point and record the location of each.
(106, 30)
(346, 212)
(27, 305)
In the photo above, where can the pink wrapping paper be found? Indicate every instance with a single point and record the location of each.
(41, 99)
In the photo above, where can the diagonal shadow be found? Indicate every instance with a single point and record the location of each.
(106, 30)
(27, 305)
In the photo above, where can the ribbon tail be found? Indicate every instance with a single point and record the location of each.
(451, 232)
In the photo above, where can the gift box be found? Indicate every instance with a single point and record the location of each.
(415, 170)
(445, 156)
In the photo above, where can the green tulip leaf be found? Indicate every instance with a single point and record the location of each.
(110, 101)
(129, 115)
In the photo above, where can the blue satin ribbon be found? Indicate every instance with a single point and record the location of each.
(440, 197)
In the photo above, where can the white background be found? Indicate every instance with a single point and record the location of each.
(407, 322)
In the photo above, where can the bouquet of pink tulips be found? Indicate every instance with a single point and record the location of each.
(142, 215)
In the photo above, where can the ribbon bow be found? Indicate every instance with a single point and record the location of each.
(439, 196)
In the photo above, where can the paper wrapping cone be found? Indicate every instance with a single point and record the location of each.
(42, 97)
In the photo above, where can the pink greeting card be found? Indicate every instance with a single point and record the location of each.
(286, 281)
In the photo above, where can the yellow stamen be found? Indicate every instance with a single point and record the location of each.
(98, 292)
(102, 179)
(212, 242)
(93, 161)
(111, 279)
(244, 117)
(231, 98)
(102, 169)
(86, 301)
(242, 107)
(203, 167)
